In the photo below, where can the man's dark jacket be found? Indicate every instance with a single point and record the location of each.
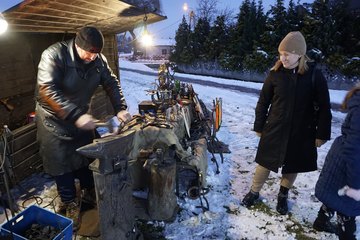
(65, 85)
(285, 119)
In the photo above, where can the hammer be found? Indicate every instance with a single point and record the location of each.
(107, 124)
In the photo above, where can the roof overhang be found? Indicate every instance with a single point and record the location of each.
(67, 16)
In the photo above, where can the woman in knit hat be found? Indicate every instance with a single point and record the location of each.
(285, 122)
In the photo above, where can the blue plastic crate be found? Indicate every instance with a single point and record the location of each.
(34, 214)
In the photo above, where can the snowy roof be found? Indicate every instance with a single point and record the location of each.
(164, 42)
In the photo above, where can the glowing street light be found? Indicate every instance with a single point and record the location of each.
(3, 24)
(191, 14)
(185, 7)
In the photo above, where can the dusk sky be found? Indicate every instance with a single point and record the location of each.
(173, 9)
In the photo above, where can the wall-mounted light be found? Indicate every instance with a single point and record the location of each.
(146, 38)
(3, 24)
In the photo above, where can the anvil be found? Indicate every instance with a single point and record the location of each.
(111, 152)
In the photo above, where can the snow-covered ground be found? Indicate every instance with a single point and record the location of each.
(227, 219)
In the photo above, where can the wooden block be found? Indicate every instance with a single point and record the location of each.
(116, 210)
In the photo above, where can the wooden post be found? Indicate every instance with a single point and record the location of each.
(115, 206)
(162, 201)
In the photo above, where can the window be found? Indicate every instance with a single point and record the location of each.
(163, 51)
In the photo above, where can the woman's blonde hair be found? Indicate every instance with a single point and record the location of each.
(344, 105)
(302, 67)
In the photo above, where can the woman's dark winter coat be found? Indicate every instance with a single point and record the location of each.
(285, 119)
(342, 164)
(65, 85)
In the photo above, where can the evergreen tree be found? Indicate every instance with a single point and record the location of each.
(318, 28)
(258, 59)
(199, 36)
(251, 43)
(278, 27)
(261, 19)
(341, 23)
(352, 43)
(243, 35)
(124, 43)
(181, 53)
(340, 56)
(217, 40)
(226, 59)
(354, 34)
(246, 28)
(293, 17)
(263, 29)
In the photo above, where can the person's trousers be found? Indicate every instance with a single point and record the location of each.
(262, 174)
(66, 183)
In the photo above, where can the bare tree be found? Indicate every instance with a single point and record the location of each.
(229, 15)
(207, 9)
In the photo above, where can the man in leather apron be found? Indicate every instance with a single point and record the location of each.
(69, 73)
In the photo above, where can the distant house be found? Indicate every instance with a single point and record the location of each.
(160, 49)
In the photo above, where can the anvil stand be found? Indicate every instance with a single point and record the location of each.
(114, 199)
(112, 185)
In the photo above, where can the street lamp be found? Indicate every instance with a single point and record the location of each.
(3, 24)
(185, 7)
(191, 15)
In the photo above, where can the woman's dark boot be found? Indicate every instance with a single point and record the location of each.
(322, 223)
(346, 226)
(250, 198)
(282, 205)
